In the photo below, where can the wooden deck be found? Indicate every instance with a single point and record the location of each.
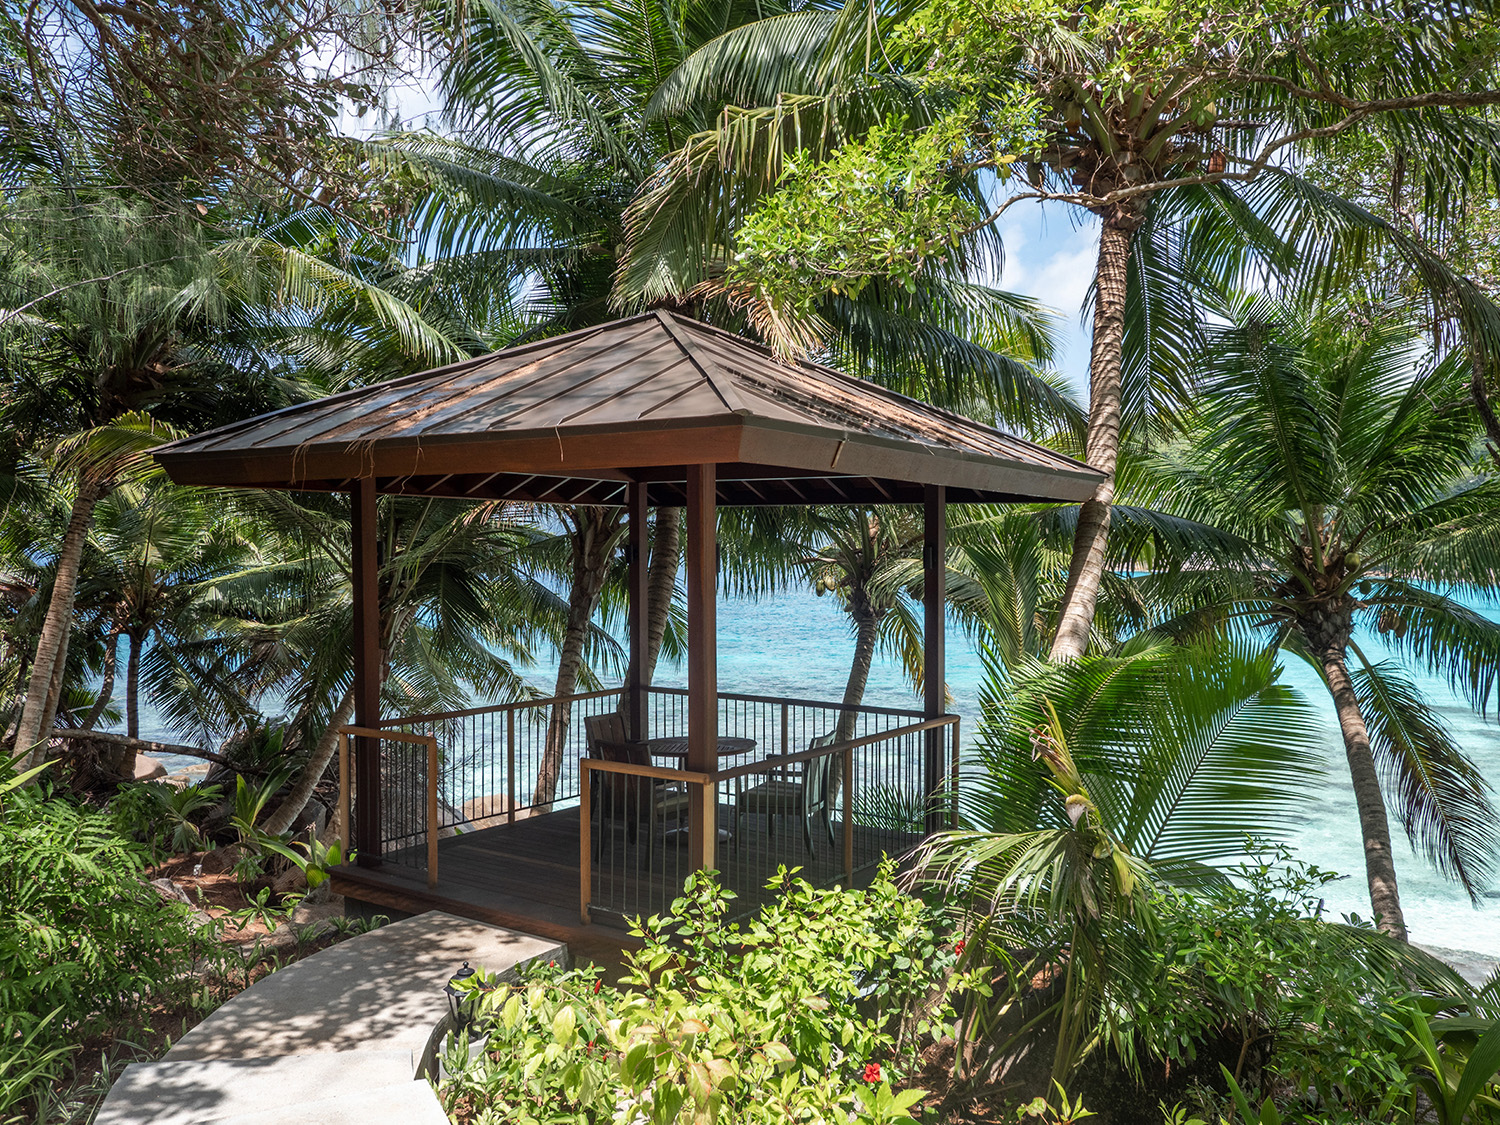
(527, 876)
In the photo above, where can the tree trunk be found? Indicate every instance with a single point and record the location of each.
(133, 688)
(40, 708)
(302, 789)
(1380, 867)
(595, 532)
(107, 684)
(866, 635)
(661, 584)
(1479, 392)
(1086, 567)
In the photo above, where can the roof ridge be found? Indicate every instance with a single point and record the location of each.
(717, 378)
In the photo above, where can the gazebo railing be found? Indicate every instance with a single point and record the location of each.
(633, 860)
(409, 801)
(486, 763)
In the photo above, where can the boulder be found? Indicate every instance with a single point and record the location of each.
(220, 860)
(313, 815)
(148, 769)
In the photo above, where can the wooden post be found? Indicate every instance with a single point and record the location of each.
(637, 589)
(703, 661)
(934, 649)
(432, 811)
(510, 766)
(585, 840)
(848, 826)
(366, 670)
(345, 781)
(953, 780)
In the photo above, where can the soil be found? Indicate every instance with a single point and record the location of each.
(221, 895)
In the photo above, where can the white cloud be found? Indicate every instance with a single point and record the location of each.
(1049, 255)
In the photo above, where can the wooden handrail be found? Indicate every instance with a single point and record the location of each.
(660, 773)
(780, 760)
(761, 765)
(391, 735)
(494, 708)
(829, 705)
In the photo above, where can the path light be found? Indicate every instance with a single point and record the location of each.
(455, 992)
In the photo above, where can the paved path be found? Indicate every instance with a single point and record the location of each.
(337, 1037)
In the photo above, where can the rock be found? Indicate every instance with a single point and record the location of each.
(171, 891)
(188, 775)
(148, 769)
(313, 815)
(220, 860)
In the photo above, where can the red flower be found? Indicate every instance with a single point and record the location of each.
(958, 947)
(872, 1073)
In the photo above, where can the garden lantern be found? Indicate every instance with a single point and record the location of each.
(455, 993)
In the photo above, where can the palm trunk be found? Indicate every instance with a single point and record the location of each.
(661, 584)
(302, 789)
(866, 634)
(595, 531)
(107, 684)
(1479, 392)
(1380, 867)
(40, 708)
(133, 688)
(1086, 567)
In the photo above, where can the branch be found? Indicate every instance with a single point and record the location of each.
(144, 746)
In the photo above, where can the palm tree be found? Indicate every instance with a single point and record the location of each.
(156, 552)
(106, 344)
(1093, 781)
(555, 139)
(1185, 145)
(1331, 451)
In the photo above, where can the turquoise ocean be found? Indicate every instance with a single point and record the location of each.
(797, 644)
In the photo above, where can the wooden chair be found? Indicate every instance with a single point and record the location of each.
(782, 796)
(624, 796)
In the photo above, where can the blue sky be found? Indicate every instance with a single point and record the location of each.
(1049, 255)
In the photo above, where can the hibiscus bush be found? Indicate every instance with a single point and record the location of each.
(815, 1010)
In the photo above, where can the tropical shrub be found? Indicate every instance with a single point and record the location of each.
(1310, 1005)
(814, 1010)
(84, 939)
(163, 818)
(1094, 783)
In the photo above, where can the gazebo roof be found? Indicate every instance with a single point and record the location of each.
(573, 418)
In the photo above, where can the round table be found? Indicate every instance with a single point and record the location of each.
(729, 747)
(677, 748)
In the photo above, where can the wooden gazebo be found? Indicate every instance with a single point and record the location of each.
(654, 410)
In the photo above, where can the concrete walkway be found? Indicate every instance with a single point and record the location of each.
(337, 1037)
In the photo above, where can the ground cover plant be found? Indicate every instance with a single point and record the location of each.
(85, 940)
(97, 965)
(817, 1009)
